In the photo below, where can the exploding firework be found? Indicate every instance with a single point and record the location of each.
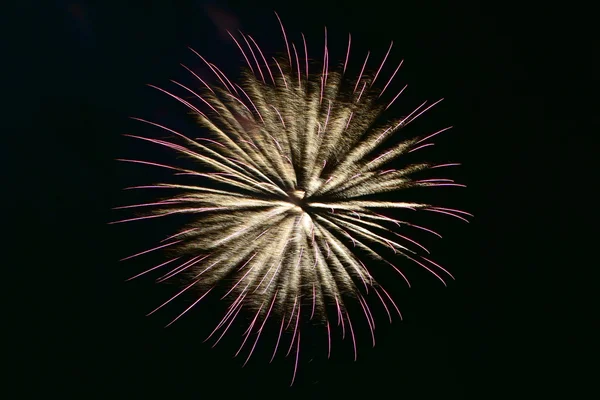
(289, 207)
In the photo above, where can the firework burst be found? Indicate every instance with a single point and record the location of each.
(295, 164)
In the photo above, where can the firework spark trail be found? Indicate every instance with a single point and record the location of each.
(299, 160)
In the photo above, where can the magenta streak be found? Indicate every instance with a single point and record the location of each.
(253, 56)
(428, 269)
(197, 95)
(246, 141)
(153, 268)
(148, 251)
(409, 115)
(187, 309)
(242, 103)
(251, 102)
(350, 236)
(439, 266)
(295, 331)
(321, 94)
(420, 147)
(314, 302)
(147, 186)
(435, 180)
(246, 263)
(366, 271)
(239, 308)
(361, 92)
(425, 229)
(383, 62)
(168, 301)
(263, 57)
(382, 135)
(181, 268)
(231, 310)
(243, 53)
(394, 99)
(280, 117)
(271, 280)
(263, 278)
(285, 38)
(160, 203)
(207, 268)
(388, 218)
(384, 305)
(347, 53)
(352, 334)
(445, 165)
(368, 320)
(340, 318)
(212, 69)
(369, 312)
(249, 330)
(278, 338)
(327, 118)
(297, 63)
(452, 209)
(186, 103)
(163, 127)
(390, 80)
(447, 184)
(360, 274)
(325, 60)
(296, 363)
(141, 218)
(276, 142)
(392, 301)
(433, 134)
(166, 144)
(412, 241)
(380, 157)
(292, 314)
(212, 141)
(301, 252)
(425, 110)
(224, 76)
(305, 53)
(361, 71)
(447, 213)
(328, 340)
(281, 71)
(179, 234)
(379, 138)
(197, 77)
(400, 272)
(261, 328)
(265, 231)
(238, 282)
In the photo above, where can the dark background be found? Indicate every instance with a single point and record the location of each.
(515, 78)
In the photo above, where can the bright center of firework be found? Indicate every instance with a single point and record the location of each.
(297, 198)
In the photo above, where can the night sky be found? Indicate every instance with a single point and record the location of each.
(501, 329)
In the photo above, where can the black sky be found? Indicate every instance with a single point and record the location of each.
(512, 79)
